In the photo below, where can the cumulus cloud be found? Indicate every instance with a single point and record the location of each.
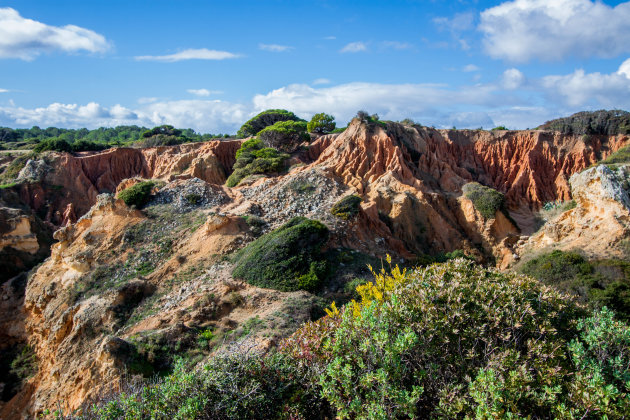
(202, 115)
(522, 30)
(4, 90)
(189, 54)
(580, 88)
(274, 47)
(354, 47)
(203, 92)
(390, 101)
(512, 79)
(26, 38)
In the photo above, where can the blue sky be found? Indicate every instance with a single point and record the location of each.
(210, 65)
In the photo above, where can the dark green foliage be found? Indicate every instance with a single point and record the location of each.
(596, 122)
(285, 136)
(499, 128)
(192, 199)
(55, 144)
(486, 200)
(321, 124)
(598, 283)
(87, 146)
(17, 364)
(137, 195)
(339, 130)
(240, 384)
(254, 158)
(265, 119)
(347, 207)
(287, 259)
(620, 156)
(166, 130)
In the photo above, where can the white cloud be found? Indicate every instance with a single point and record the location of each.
(580, 88)
(190, 54)
(203, 115)
(354, 47)
(330, 38)
(274, 47)
(457, 25)
(4, 90)
(390, 101)
(512, 79)
(470, 68)
(321, 81)
(397, 45)
(522, 30)
(26, 38)
(203, 92)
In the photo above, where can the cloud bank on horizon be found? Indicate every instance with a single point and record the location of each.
(498, 57)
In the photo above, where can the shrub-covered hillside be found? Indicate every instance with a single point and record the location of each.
(452, 340)
(595, 122)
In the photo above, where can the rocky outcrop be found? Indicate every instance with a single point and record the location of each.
(599, 225)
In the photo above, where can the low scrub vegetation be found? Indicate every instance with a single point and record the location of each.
(592, 122)
(486, 200)
(287, 259)
(347, 207)
(597, 283)
(620, 156)
(137, 195)
(452, 340)
(254, 158)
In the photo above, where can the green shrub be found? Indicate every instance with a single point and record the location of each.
(321, 123)
(455, 340)
(54, 144)
(486, 200)
(193, 199)
(499, 128)
(137, 195)
(339, 130)
(347, 207)
(17, 364)
(285, 136)
(254, 158)
(88, 146)
(265, 119)
(597, 283)
(287, 259)
(256, 224)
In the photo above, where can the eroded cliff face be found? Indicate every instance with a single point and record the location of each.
(120, 280)
(599, 225)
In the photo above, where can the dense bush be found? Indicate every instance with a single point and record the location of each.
(598, 283)
(486, 200)
(288, 258)
(596, 122)
(57, 145)
(455, 340)
(285, 136)
(239, 384)
(137, 195)
(254, 158)
(17, 364)
(265, 119)
(321, 123)
(347, 207)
